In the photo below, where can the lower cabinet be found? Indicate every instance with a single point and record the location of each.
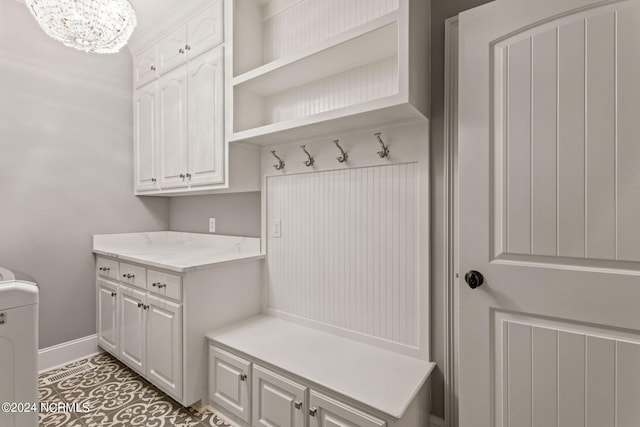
(237, 384)
(230, 384)
(327, 412)
(164, 344)
(277, 401)
(107, 323)
(133, 328)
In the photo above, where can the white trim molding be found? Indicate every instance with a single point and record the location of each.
(67, 352)
(451, 218)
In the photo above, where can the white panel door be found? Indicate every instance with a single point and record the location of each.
(132, 328)
(145, 137)
(205, 30)
(277, 401)
(206, 119)
(549, 201)
(145, 66)
(327, 412)
(172, 116)
(108, 316)
(172, 50)
(164, 345)
(230, 382)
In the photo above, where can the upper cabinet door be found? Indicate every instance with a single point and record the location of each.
(145, 66)
(172, 50)
(172, 135)
(144, 122)
(205, 30)
(205, 118)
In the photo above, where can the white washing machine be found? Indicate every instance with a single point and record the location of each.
(18, 349)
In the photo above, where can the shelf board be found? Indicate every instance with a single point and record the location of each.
(341, 53)
(376, 113)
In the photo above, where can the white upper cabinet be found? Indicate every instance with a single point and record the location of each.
(205, 30)
(205, 120)
(179, 110)
(309, 68)
(172, 50)
(145, 66)
(172, 124)
(145, 137)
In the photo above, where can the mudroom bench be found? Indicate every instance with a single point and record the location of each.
(267, 371)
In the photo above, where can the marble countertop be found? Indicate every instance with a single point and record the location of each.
(177, 251)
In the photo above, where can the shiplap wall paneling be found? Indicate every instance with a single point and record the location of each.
(562, 376)
(567, 138)
(348, 255)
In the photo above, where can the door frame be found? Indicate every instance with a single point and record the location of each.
(451, 215)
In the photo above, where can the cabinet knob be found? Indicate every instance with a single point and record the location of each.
(145, 307)
(182, 175)
(187, 47)
(100, 268)
(153, 180)
(113, 294)
(181, 50)
(297, 404)
(313, 411)
(188, 176)
(243, 377)
(153, 68)
(140, 304)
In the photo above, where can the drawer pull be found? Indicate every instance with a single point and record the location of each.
(104, 269)
(162, 285)
(129, 276)
(313, 411)
(154, 284)
(297, 404)
(243, 377)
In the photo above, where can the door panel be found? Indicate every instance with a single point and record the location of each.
(277, 401)
(230, 382)
(206, 109)
(547, 196)
(205, 30)
(107, 316)
(164, 345)
(145, 137)
(171, 50)
(172, 114)
(331, 413)
(132, 328)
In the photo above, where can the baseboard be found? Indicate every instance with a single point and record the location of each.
(436, 421)
(59, 355)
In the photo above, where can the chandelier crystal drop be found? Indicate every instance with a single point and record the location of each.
(96, 26)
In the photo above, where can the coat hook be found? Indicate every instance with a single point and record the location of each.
(385, 150)
(311, 160)
(280, 164)
(343, 158)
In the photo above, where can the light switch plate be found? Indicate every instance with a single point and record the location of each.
(212, 225)
(276, 229)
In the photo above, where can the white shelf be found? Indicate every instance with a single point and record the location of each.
(378, 113)
(311, 68)
(343, 52)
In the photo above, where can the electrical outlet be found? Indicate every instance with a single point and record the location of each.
(212, 225)
(276, 229)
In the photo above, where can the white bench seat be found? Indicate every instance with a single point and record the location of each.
(375, 377)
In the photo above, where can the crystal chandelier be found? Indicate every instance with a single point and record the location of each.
(97, 26)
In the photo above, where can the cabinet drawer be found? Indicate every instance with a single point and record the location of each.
(163, 284)
(107, 268)
(277, 400)
(324, 412)
(230, 382)
(145, 66)
(133, 275)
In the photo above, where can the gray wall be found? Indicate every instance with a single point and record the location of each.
(236, 214)
(65, 167)
(440, 11)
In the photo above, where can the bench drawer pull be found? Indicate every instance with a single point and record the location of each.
(313, 411)
(297, 404)
(243, 377)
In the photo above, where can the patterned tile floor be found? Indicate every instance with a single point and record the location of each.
(113, 395)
